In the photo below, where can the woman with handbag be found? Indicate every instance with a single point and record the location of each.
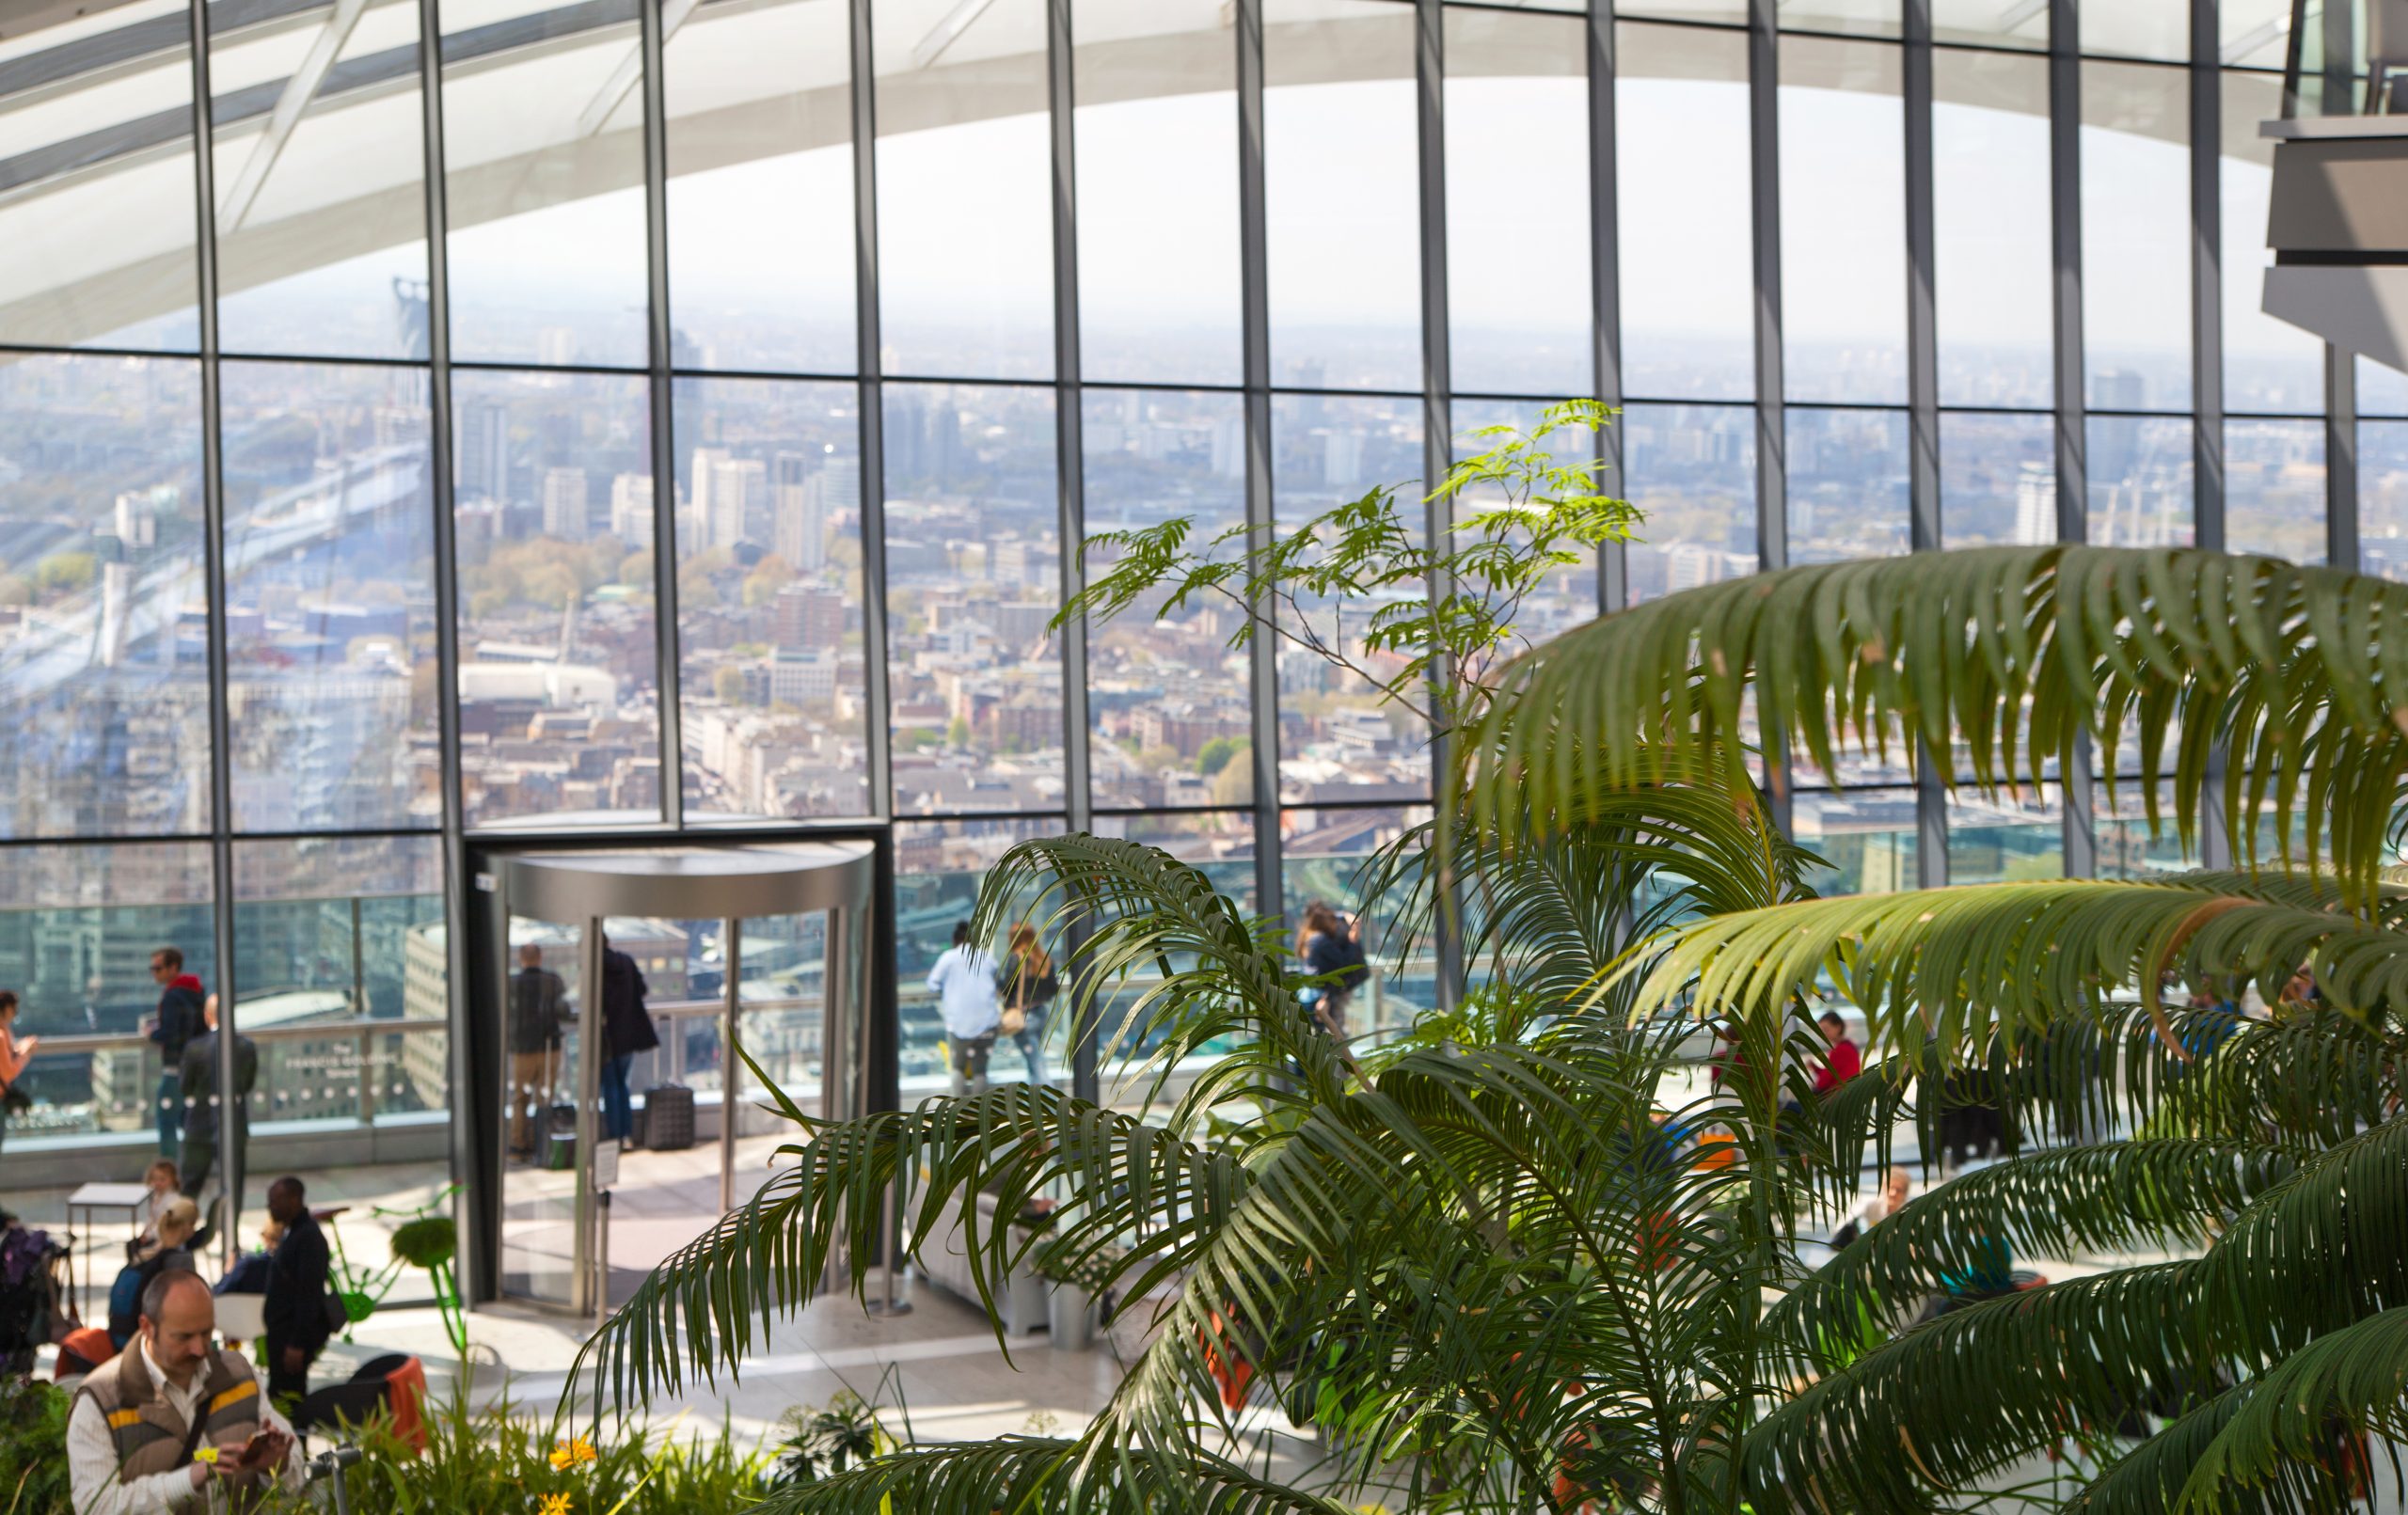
(1030, 984)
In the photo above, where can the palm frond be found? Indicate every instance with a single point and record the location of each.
(1023, 1475)
(2306, 1412)
(2149, 1478)
(2024, 650)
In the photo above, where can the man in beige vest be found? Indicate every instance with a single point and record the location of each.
(136, 1435)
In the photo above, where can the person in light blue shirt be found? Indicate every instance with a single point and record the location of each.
(963, 980)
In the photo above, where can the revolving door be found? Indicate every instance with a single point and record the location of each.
(635, 985)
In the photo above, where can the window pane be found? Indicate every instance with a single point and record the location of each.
(1517, 221)
(939, 867)
(1866, 835)
(964, 154)
(1166, 691)
(973, 575)
(1842, 221)
(1217, 843)
(1998, 481)
(2141, 481)
(2274, 482)
(543, 182)
(98, 175)
(1692, 470)
(1567, 597)
(1339, 738)
(1157, 133)
(1986, 23)
(2254, 33)
(321, 219)
(2138, 28)
(2006, 837)
(2136, 236)
(77, 928)
(1322, 853)
(325, 934)
(2382, 497)
(330, 597)
(558, 688)
(1342, 188)
(2268, 365)
(2382, 390)
(761, 186)
(1728, 12)
(1688, 302)
(1995, 279)
(103, 675)
(2127, 848)
(1847, 484)
(769, 598)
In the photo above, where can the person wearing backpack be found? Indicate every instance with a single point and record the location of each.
(1030, 984)
(179, 1228)
(1328, 946)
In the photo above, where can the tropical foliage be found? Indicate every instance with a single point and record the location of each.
(1484, 1263)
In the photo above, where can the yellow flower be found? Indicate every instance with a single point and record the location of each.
(566, 1452)
(553, 1504)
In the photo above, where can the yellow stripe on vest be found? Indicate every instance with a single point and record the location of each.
(120, 1420)
(236, 1395)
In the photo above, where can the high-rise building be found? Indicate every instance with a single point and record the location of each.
(484, 450)
(631, 509)
(729, 493)
(2036, 505)
(568, 504)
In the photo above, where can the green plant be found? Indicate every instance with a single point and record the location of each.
(823, 1443)
(33, 1447)
(2265, 1155)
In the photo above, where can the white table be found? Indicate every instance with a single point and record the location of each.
(127, 1197)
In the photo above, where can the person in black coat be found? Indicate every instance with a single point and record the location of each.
(178, 1022)
(298, 1282)
(626, 1030)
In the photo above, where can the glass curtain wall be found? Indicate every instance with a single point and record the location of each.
(636, 421)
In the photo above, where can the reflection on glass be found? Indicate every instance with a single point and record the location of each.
(1867, 836)
(2127, 848)
(96, 173)
(2141, 481)
(2009, 837)
(78, 925)
(1692, 470)
(2383, 391)
(1994, 280)
(559, 696)
(2273, 488)
(1682, 178)
(938, 868)
(2136, 236)
(2268, 365)
(761, 186)
(320, 179)
(972, 574)
(1166, 692)
(538, 1093)
(964, 159)
(769, 629)
(104, 652)
(2253, 34)
(330, 597)
(2138, 30)
(1986, 23)
(1842, 221)
(1517, 279)
(1339, 737)
(2382, 497)
(1343, 192)
(1847, 484)
(328, 933)
(543, 140)
(1157, 135)
(1998, 481)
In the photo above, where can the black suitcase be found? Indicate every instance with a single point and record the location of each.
(668, 1117)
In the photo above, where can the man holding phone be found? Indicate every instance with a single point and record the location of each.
(152, 1431)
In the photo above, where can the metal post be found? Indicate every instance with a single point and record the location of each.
(1068, 433)
(1772, 421)
(2340, 458)
(662, 395)
(1438, 445)
(1922, 406)
(731, 1066)
(588, 1248)
(2206, 351)
(1605, 285)
(1254, 261)
(867, 360)
(2075, 791)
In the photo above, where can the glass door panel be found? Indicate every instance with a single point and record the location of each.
(541, 1000)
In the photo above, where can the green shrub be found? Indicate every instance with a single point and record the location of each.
(33, 1447)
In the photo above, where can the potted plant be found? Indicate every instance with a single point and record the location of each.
(1075, 1296)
